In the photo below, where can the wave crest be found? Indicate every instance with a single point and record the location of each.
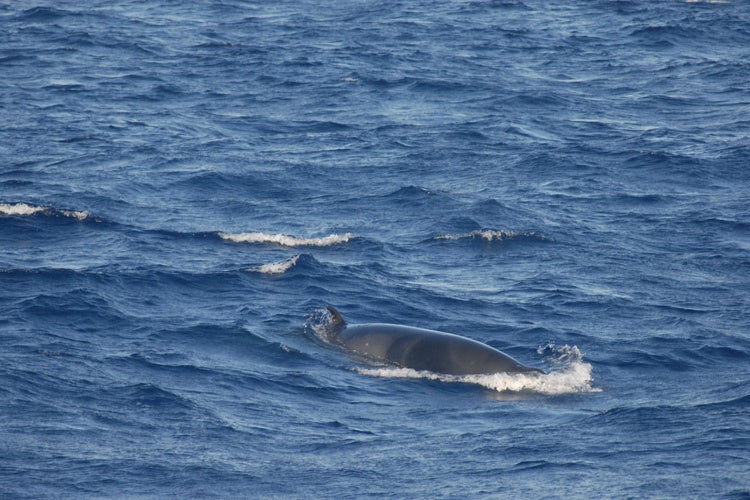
(26, 209)
(75, 214)
(277, 267)
(19, 209)
(287, 241)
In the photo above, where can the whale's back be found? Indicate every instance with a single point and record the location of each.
(428, 350)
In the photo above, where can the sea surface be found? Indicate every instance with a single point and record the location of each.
(186, 185)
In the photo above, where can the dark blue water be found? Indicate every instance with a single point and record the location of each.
(184, 187)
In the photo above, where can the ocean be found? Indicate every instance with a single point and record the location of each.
(186, 186)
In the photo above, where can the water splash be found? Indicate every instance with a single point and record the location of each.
(319, 324)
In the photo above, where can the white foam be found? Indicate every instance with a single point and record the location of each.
(571, 375)
(276, 267)
(487, 234)
(287, 241)
(577, 378)
(80, 215)
(26, 209)
(19, 209)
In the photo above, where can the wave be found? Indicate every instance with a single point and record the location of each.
(43, 14)
(571, 375)
(287, 241)
(492, 235)
(26, 209)
(277, 267)
(19, 209)
(413, 194)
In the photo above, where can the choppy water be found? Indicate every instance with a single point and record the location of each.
(184, 186)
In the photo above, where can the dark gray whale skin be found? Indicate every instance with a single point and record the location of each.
(421, 349)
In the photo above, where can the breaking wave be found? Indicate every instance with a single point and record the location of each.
(277, 267)
(19, 209)
(26, 209)
(287, 241)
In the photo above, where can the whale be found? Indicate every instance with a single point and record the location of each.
(421, 349)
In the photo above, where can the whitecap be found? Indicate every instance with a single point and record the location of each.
(287, 241)
(26, 209)
(19, 209)
(75, 214)
(277, 267)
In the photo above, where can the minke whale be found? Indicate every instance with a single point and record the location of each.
(421, 349)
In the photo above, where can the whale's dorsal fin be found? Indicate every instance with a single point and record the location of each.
(336, 318)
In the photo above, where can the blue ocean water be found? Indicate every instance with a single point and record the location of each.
(184, 187)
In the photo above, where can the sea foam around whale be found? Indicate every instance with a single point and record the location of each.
(570, 375)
